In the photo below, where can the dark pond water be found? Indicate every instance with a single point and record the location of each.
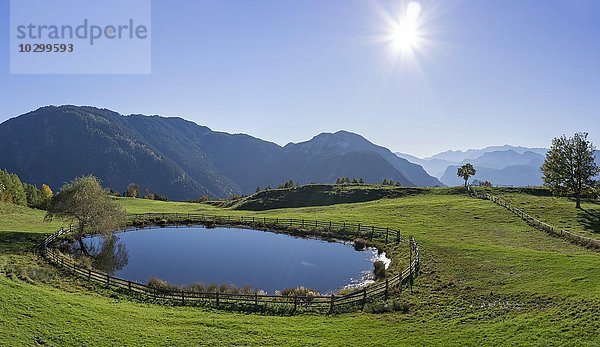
(262, 260)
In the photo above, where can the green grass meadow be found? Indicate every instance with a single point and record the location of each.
(487, 279)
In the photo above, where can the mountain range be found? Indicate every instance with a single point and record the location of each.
(501, 165)
(181, 159)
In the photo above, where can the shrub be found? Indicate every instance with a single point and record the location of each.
(300, 291)
(132, 191)
(159, 284)
(379, 270)
(360, 244)
(203, 198)
(30, 273)
(196, 287)
(387, 306)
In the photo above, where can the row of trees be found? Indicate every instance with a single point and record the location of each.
(285, 185)
(133, 191)
(346, 180)
(339, 180)
(12, 190)
(393, 183)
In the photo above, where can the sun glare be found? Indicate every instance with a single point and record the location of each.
(405, 33)
(405, 36)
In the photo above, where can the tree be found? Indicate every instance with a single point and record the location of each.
(12, 189)
(46, 192)
(570, 166)
(46, 195)
(133, 191)
(288, 184)
(465, 172)
(85, 202)
(34, 197)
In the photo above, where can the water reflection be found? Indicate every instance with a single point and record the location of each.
(239, 257)
(105, 253)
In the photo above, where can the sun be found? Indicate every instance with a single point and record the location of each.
(405, 33)
(405, 36)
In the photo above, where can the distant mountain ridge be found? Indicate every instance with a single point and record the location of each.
(458, 156)
(183, 160)
(501, 165)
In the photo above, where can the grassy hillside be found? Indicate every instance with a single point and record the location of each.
(317, 195)
(23, 219)
(488, 279)
(557, 211)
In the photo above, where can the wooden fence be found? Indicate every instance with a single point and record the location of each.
(538, 224)
(329, 303)
(341, 229)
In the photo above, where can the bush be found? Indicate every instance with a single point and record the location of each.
(203, 198)
(360, 244)
(132, 191)
(379, 270)
(387, 306)
(30, 273)
(159, 284)
(300, 291)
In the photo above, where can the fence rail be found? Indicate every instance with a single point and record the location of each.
(538, 224)
(343, 229)
(329, 303)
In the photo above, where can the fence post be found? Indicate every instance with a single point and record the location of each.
(397, 236)
(303, 223)
(329, 225)
(372, 230)
(364, 300)
(182, 297)
(256, 301)
(400, 283)
(332, 302)
(387, 231)
(89, 274)
(295, 303)
(108, 280)
(217, 296)
(410, 264)
(129, 286)
(386, 289)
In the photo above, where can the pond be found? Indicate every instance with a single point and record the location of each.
(242, 257)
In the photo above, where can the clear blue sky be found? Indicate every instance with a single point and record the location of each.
(492, 72)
